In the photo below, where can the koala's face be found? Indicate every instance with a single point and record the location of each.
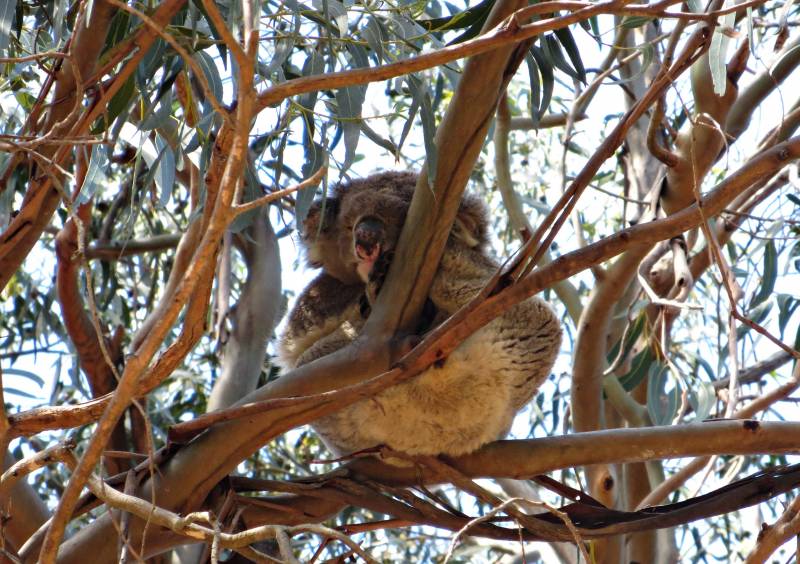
(347, 233)
(370, 221)
(320, 237)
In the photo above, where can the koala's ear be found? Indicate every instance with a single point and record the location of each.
(471, 225)
(321, 216)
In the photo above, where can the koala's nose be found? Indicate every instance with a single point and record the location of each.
(368, 235)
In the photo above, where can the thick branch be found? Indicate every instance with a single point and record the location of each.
(433, 208)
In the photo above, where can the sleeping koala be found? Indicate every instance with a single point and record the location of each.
(451, 408)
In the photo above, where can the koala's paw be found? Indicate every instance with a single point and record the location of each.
(377, 275)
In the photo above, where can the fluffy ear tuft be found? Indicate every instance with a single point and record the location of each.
(321, 217)
(472, 223)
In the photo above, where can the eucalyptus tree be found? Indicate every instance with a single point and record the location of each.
(158, 157)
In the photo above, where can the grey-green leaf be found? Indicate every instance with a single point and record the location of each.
(6, 17)
(662, 405)
(702, 398)
(350, 101)
(94, 176)
(717, 53)
(769, 276)
(25, 374)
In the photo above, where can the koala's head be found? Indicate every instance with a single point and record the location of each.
(371, 216)
(346, 233)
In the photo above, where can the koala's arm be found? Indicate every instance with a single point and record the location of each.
(319, 313)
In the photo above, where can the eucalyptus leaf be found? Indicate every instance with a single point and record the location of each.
(553, 52)
(662, 404)
(535, 96)
(770, 275)
(630, 339)
(283, 49)
(374, 36)
(38, 380)
(313, 65)
(717, 52)
(315, 158)
(548, 78)
(756, 315)
(18, 392)
(568, 42)
(786, 307)
(6, 17)
(421, 93)
(350, 100)
(702, 398)
(158, 113)
(640, 368)
(95, 175)
(165, 173)
(461, 19)
(632, 22)
(211, 73)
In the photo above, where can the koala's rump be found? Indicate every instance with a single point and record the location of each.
(454, 409)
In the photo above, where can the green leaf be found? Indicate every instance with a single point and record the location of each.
(717, 53)
(221, 47)
(314, 64)
(119, 30)
(595, 28)
(566, 39)
(662, 405)
(18, 392)
(350, 100)
(786, 307)
(95, 175)
(120, 102)
(374, 36)
(6, 17)
(165, 174)
(536, 90)
(756, 315)
(25, 374)
(421, 93)
(631, 22)
(639, 369)
(769, 276)
(548, 78)
(630, 339)
(797, 342)
(552, 49)
(211, 73)
(460, 20)
(315, 158)
(702, 398)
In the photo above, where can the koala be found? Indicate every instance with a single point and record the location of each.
(451, 408)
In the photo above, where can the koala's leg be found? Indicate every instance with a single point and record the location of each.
(453, 409)
(346, 431)
(529, 336)
(473, 396)
(320, 310)
(341, 336)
